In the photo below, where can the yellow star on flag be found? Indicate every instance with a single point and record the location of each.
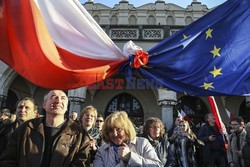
(209, 33)
(215, 52)
(207, 85)
(185, 37)
(216, 72)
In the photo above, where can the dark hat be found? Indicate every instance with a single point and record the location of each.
(6, 112)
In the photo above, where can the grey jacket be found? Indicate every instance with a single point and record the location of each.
(232, 148)
(142, 154)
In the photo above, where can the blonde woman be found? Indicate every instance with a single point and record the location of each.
(184, 146)
(122, 147)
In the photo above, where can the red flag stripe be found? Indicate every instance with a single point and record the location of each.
(215, 112)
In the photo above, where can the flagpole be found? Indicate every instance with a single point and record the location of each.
(218, 122)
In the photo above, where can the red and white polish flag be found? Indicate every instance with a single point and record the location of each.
(56, 44)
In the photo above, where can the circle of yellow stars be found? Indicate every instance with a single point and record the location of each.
(215, 53)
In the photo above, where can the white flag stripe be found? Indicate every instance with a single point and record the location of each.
(218, 115)
(228, 113)
(73, 29)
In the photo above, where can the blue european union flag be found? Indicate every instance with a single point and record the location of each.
(211, 56)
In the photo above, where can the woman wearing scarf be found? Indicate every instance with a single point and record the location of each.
(122, 147)
(88, 119)
(154, 131)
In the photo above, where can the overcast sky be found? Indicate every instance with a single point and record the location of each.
(182, 3)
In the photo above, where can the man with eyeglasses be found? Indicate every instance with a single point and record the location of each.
(236, 143)
(99, 122)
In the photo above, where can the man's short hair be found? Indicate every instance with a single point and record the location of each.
(30, 99)
(74, 112)
(206, 116)
(240, 120)
(6, 112)
(99, 115)
(46, 96)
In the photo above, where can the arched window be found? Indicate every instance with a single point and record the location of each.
(97, 18)
(132, 20)
(194, 107)
(114, 20)
(151, 20)
(128, 103)
(188, 20)
(170, 20)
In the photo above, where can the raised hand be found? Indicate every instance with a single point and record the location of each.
(124, 152)
(92, 144)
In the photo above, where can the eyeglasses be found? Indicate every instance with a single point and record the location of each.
(155, 127)
(234, 124)
(99, 120)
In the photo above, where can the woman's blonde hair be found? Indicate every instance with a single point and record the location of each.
(89, 109)
(188, 130)
(118, 120)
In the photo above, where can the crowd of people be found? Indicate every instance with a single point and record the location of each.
(32, 140)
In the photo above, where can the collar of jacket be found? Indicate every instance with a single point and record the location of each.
(71, 127)
(241, 134)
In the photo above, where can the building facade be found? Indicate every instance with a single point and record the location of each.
(146, 26)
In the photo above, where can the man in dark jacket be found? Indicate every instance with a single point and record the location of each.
(48, 141)
(4, 121)
(26, 109)
(4, 117)
(214, 153)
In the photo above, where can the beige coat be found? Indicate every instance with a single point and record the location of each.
(232, 148)
(142, 154)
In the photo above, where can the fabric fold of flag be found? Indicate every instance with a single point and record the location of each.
(56, 44)
(208, 57)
